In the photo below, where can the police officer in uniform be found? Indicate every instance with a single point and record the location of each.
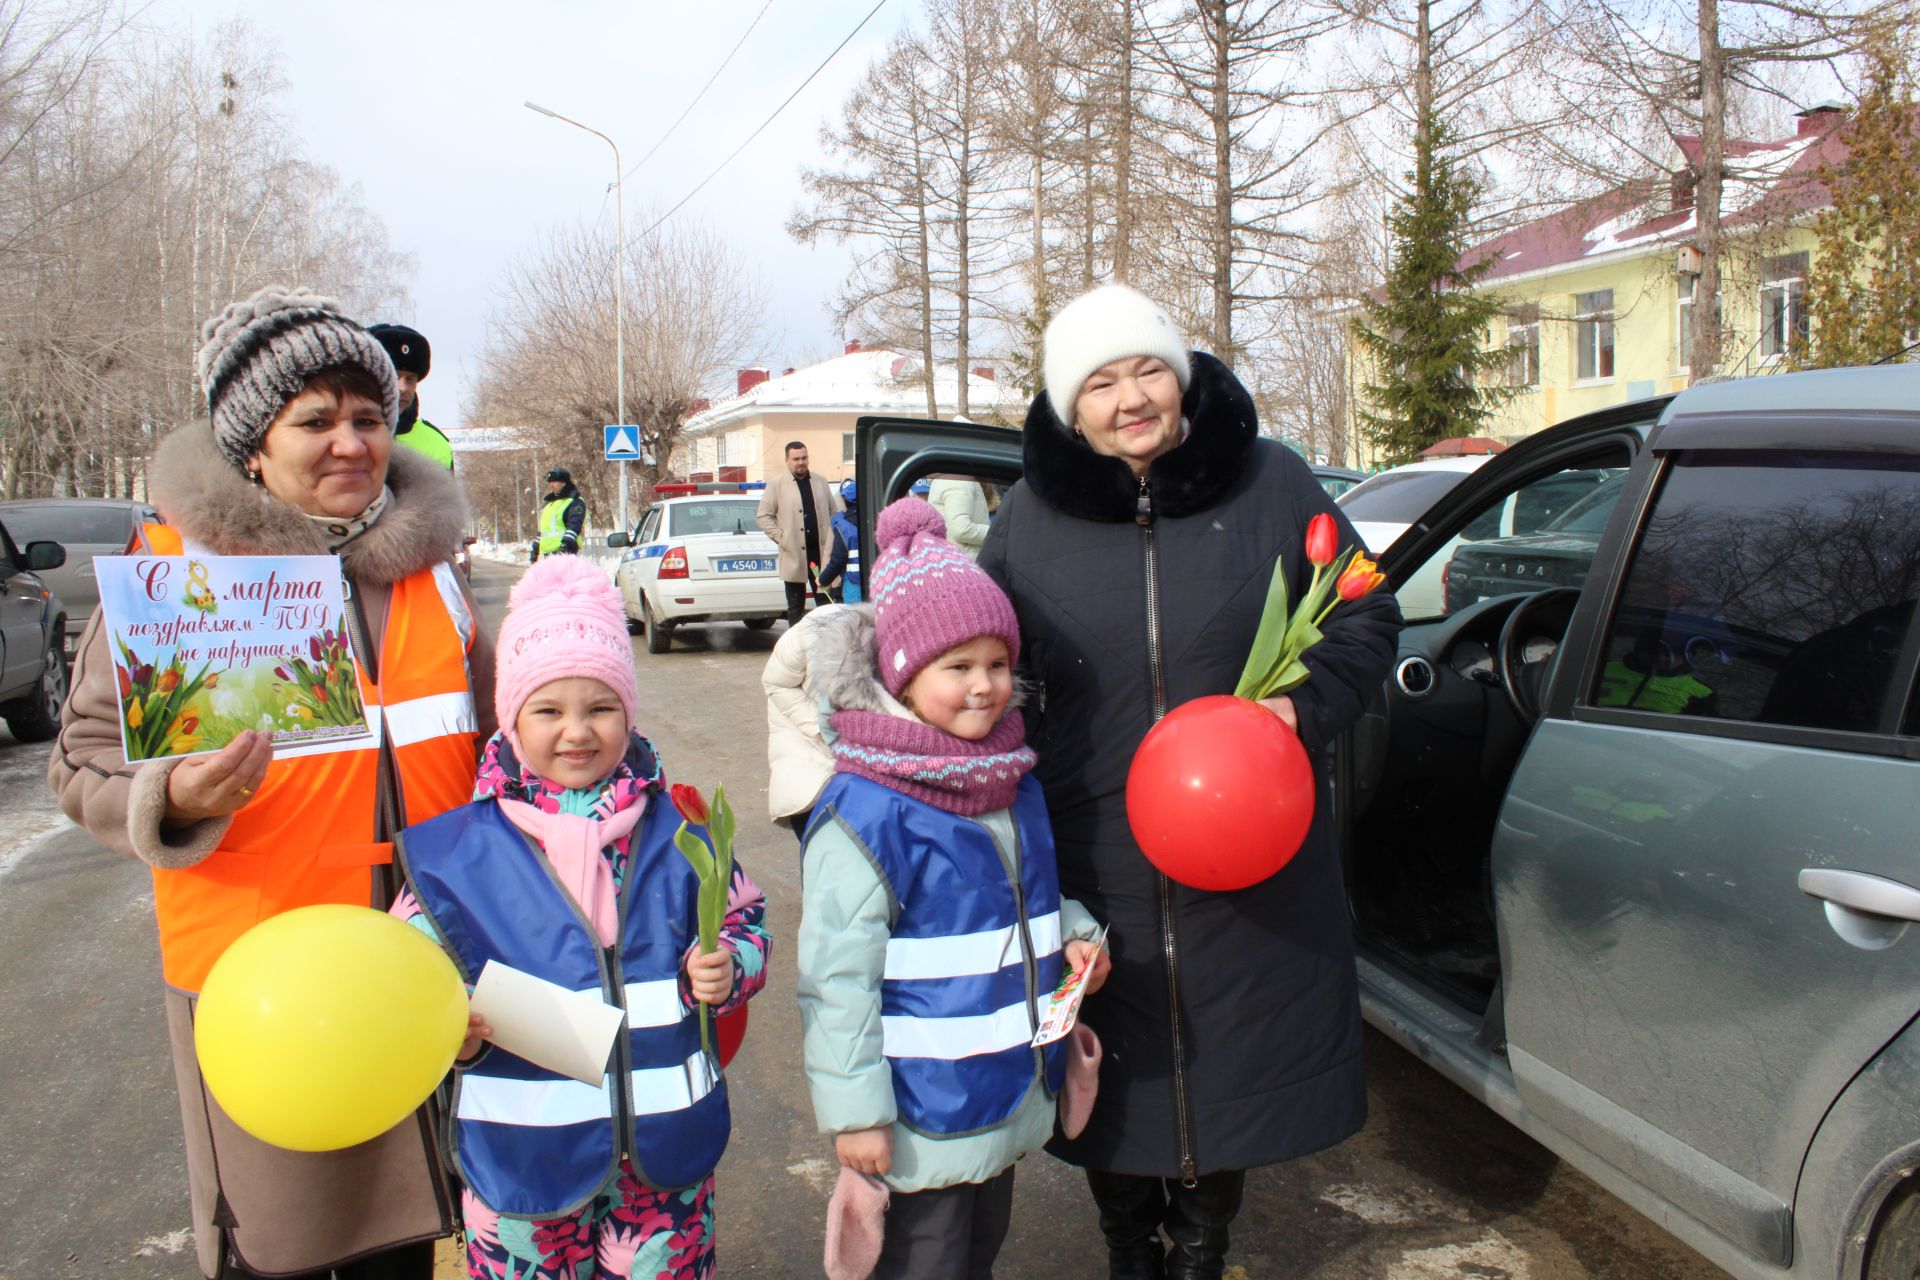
(412, 358)
(563, 517)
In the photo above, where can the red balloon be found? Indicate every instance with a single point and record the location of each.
(730, 1029)
(1220, 794)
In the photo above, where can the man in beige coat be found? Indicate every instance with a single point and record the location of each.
(795, 512)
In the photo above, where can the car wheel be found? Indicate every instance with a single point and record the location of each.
(659, 634)
(759, 624)
(36, 717)
(1895, 1251)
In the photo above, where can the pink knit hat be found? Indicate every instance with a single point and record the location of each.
(563, 619)
(928, 594)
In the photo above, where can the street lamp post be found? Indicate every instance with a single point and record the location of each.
(619, 290)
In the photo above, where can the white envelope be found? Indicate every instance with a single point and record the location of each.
(566, 1031)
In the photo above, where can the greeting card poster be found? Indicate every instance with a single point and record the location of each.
(208, 647)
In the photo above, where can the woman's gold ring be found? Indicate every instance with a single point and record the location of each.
(246, 791)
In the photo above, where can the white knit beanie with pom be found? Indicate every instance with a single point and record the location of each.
(258, 354)
(1106, 324)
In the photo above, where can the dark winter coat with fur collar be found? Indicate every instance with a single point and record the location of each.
(280, 1211)
(1267, 1063)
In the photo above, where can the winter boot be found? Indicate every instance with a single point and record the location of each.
(1197, 1220)
(1130, 1212)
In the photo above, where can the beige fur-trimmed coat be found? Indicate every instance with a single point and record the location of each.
(280, 1211)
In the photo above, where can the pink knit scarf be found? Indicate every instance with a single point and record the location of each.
(572, 844)
(916, 759)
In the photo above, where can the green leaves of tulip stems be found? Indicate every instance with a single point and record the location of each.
(710, 853)
(1273, 664)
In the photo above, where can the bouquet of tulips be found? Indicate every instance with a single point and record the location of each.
(154, 704)
(1273, 665)
(324, 686)
(712, 862)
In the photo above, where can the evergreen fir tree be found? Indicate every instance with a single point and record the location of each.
(1863, 286)
(1426, 333)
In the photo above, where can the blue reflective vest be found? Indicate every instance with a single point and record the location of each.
(531, 1142)
(974, 951)
(850, 573)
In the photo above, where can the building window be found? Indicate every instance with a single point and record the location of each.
(1593, 335)
(1683, 325)
(1523, 347)
(846, 446)
(1783, 305)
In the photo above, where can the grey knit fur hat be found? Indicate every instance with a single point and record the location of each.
(258, 354)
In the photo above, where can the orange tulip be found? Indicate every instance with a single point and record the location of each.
(1360, 577)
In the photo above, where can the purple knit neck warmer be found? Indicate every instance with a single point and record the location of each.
(916, 759)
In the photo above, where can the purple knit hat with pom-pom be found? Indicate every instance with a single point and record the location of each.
(928, 595)
(563, 619)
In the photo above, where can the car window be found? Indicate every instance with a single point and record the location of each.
(734, 516)
(1499, 551)
(649, 527)
(1772, 588)
(1588, 517)
(55, 523)
(1336, 485)
(1398, 497)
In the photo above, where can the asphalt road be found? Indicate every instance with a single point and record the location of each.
(92, 1182)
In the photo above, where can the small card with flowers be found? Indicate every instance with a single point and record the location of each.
(1062, 1009)
(207, 647)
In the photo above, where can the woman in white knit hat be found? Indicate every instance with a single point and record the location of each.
(1232, 1020)
(296, 458)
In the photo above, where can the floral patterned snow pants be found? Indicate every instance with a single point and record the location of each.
(629, 1232)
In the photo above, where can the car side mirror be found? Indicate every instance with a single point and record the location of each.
(45, 555)
(619, 540)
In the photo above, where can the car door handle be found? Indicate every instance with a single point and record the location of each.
(1857, 891)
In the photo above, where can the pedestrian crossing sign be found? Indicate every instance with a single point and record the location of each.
(622, 443)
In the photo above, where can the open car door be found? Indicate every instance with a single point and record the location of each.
(892, 454)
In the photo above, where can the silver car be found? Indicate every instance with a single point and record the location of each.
(86, 527)
(1633, 858)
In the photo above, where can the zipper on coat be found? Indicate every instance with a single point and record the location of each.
(1157, 673)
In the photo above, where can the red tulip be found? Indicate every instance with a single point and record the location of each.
(126, 682)
(320, 695)
(1361, 577)
(169, 680)
(691, 804)
(1323, 540)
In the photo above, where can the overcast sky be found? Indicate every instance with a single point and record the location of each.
(419, 102)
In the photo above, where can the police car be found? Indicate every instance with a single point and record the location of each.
(697, 555)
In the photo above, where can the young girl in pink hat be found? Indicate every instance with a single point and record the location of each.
(563, 866)
(933, 927)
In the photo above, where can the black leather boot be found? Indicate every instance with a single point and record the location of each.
(1197, 1219)
(1130, 1212)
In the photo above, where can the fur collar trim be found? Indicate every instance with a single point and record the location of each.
(843, 663)
(1075, 481)
(211, 503)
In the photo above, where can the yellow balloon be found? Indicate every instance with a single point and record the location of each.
(324, 1027)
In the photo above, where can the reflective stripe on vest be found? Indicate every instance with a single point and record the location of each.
(310, 835)
(545, 1104)
(553, 524)
(530, 1141)
(970, 954)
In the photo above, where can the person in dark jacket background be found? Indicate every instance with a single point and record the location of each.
(1137, 552)
(412, 360)
(563, 516)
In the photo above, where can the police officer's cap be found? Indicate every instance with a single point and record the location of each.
(407, 347)
(561, 474)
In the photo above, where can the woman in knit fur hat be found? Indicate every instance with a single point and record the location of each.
(296, 458)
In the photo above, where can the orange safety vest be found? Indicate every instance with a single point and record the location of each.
(308, 834)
